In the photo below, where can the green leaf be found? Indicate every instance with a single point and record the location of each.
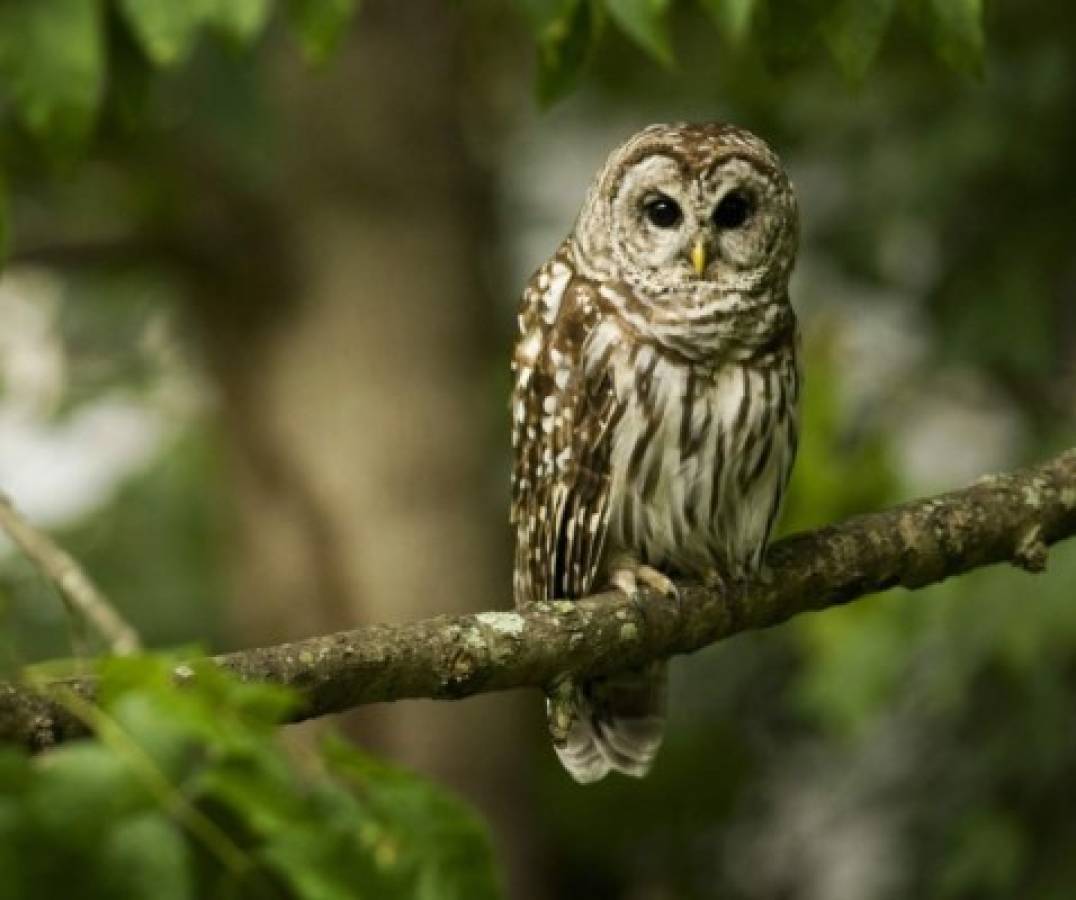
(165, 29)
(789, 32)
(310, 881)
(646, 23)
(52, 66)
(565, 32)
(78, 787)
(146, 856)
(260, 794)
(243, 20)
(956, 28)
(733, 17)
(212, 707)
(320, 25)
(544, 14)
(854, 33)
(447, 842)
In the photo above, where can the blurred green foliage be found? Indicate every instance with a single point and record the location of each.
(851, 31)
(56, 72)
(822, 490)
(52, 63)
(185, 794)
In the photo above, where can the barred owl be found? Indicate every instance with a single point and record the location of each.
(654, 411)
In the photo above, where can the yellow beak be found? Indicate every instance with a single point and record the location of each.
(698, 256)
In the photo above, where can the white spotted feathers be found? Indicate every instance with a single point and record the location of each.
(654, 419)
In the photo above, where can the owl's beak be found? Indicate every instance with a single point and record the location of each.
(698, 256)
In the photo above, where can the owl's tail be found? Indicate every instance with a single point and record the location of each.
(609, 724)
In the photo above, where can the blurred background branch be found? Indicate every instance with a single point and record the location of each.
(80, 595)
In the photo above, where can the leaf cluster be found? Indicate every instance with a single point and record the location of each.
(61, 60)
(850, 32)
(185, 793)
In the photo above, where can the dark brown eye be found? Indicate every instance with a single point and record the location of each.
(734, 209)
(662, 211)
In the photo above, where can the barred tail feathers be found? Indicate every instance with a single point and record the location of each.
(612, 724)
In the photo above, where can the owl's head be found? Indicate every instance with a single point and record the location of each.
(690, 209)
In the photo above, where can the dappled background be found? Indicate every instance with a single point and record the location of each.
(254, 332)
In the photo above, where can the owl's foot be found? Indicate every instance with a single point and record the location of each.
(627, 576)
(560, 710)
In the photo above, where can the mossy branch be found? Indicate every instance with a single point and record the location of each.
(1013, 517)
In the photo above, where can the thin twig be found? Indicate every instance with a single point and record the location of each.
(80, 595)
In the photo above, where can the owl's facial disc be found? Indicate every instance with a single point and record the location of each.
(681, 227)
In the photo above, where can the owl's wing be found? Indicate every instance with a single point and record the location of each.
(563, 417)
(565, 413)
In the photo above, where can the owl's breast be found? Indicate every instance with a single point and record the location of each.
(700, 458)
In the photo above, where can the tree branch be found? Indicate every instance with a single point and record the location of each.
(1011, 517)
(80, 595)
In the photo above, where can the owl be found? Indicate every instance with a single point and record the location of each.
(654, 410)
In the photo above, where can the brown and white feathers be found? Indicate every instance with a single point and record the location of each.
(654, 411)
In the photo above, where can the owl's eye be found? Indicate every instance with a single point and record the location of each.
(662, 211)
(734, 209)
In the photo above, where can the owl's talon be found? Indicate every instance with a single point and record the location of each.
(630, 577)
(659, 582)
(625, 581)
